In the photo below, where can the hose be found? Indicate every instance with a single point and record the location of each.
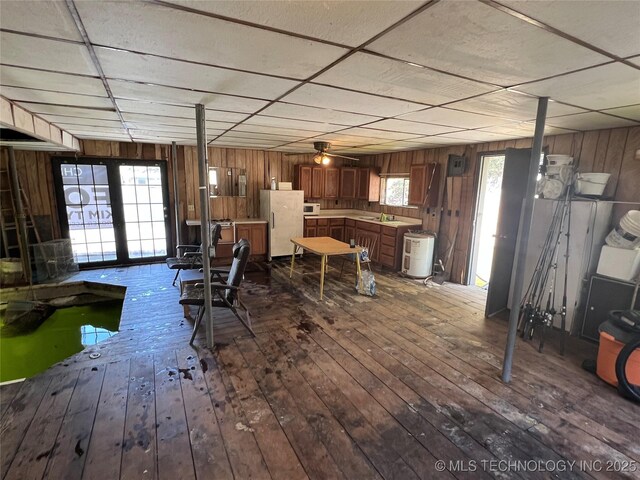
(625, 388)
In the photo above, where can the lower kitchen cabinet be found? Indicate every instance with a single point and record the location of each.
(256, 233)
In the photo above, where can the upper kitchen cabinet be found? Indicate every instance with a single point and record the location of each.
(303, 179)
(368, 185)
(424, 185)
(310, 179)
(331, 183)
(348, 179)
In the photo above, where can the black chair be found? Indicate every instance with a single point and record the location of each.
(192, 256)
(225, 293)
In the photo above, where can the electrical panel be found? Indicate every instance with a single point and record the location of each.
(456, 166)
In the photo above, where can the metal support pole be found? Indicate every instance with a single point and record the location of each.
(203, 176)
(524, 230)
(20, 216)
(176, 203)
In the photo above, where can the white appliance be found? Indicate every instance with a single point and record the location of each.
(282, 210)
(311, 208)
(417, 256)
(590, 220)
(619, 263)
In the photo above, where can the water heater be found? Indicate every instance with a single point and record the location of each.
(417, 256)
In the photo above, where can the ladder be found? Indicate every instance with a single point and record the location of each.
(19, 230)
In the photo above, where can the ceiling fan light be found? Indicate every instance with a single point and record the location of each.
(318, 158)
(326, 160)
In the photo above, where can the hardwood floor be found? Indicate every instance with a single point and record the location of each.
(348, 387)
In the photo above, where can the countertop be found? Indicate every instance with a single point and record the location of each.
(369, 217)
(235, 221)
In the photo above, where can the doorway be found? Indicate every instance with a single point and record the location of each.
(115, 212)
(486, 218)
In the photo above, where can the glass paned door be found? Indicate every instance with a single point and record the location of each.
(115, 211)
(144, 211)
(89, 213)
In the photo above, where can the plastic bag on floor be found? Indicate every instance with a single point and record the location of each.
(368, 284)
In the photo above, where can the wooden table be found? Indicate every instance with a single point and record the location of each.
(324, 246)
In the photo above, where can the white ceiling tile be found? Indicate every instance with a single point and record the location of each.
(381, 76)
(342, 139)
(475, 136)
(511, 106)
(451, 118)
(69, 122)
(85, 130)
(377, 132)
(632, 112)
(635, 60)
(43, 96)
(480, 42)
(345, 22)
(336, 99)
(64, 57)
(250, 142)
(139, 132)
(154, 70)
(282, 138)
(103, 136)
(140, 118)
(603, 23)
(59, 82)
(589, 121)
(325, 115)
(50, 18)
(178, 96)
(609, 86)
(290, 123)
(440, 140)
(202, 39)
(276, 130)
(415, 128)
(161, 109)
(523, 129)
(69, 111)
(302, 148)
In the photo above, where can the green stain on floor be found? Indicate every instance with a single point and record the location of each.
(66, 332)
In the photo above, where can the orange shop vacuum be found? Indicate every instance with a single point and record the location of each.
(618, 360)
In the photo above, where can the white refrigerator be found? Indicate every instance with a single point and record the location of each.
(282, 209)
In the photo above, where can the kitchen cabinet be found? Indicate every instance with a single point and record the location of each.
(317, 182)
(368, 184)
(256, 233)
(323, 227)
(310, 227)
(424, 185)
(331, 183)
(348, 177)
(336, 228)
(302, 179)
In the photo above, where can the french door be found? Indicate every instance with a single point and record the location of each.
(115, 211)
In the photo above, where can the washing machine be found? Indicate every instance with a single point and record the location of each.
(417, 255)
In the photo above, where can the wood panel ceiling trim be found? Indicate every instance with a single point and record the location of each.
(18, 118)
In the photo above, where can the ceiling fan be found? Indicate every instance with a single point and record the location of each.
(323, 157)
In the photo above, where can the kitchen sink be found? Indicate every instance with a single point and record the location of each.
(369, 218)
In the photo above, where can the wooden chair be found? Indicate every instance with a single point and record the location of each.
(364, 241)
(191, 258)
(225, 293)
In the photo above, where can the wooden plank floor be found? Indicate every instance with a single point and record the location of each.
(349, 387)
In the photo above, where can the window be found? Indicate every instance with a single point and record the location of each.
(395, 191)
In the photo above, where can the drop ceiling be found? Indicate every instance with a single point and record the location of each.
(368, 76)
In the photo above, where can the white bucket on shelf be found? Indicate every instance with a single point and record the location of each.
(627, 233)
(592, 183)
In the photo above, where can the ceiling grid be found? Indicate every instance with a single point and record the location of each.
(404, 75)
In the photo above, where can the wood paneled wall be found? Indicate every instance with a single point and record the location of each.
(615, 151)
